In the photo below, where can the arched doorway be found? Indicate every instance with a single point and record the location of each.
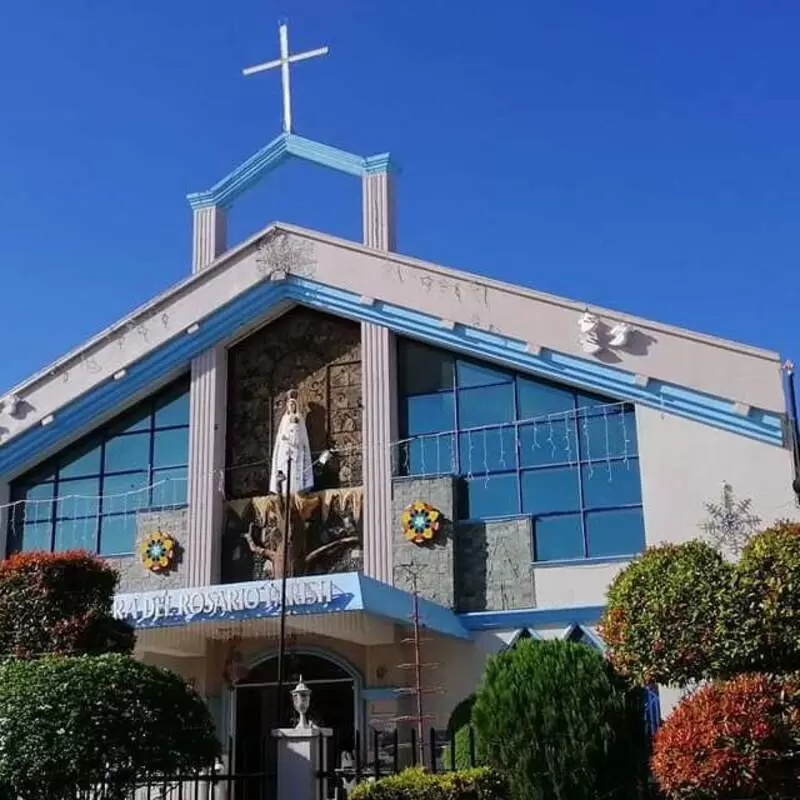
(335, 703)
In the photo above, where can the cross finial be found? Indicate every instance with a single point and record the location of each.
(283, 62)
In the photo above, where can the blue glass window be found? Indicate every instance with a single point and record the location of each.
(88, 496)
(523, 446)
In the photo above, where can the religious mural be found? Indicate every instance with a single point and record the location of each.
(294, 421)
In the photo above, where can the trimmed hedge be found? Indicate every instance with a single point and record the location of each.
(68, 723)
(558, 722)
(416, 784)
(59, 603)
(665, 614)
(731, 740)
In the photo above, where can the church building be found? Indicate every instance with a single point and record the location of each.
(403, 427)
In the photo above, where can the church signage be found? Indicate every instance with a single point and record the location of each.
(235, 601)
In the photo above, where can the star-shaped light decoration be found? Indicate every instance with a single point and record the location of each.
(158, 550)
(421, 522)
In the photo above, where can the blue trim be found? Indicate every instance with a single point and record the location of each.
(379, 693)
(531, 618)
(270, 157)
(176, 354)
(577, 562)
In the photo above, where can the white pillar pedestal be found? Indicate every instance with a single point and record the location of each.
(302, 753)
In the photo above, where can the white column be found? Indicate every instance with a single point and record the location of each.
(379, 395)
(206, 426)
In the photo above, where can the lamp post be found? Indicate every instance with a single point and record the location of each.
(301, 699)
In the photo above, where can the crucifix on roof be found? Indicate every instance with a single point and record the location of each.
(283, 62)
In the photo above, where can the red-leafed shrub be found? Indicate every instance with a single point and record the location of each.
(59, 603)
(732, 740)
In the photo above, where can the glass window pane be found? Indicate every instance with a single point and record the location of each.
(139, 418)
(423, 369)
(548, 443)
(78, 498)
(488, 450)
(36, 504)
(84, 460)
(76, 534)
(35, 536)
(615, 533)
(607, 431)
(429, 413)
(468, 373)
(117, 534)
(485, 406)
(536, 399)
(558, 538)
(495, 496)
(173, 408)
(428, 455)
(170, 487)
(590, 400)
(125, 493)
(545, 491)
(611, 484)
(128, 452)
(171, 447)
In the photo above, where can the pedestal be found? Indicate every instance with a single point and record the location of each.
(302, 754)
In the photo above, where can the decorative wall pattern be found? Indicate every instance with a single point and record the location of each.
(317, 355)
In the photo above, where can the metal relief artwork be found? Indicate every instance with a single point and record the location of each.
(421, 522)
(158, 551)
(281, 254)
(304, 368)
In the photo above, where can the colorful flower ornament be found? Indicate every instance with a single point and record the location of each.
(421, 522)
(158, 550)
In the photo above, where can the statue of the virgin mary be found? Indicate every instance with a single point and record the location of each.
(291, 443)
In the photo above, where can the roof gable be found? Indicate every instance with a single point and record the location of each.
(734, 388)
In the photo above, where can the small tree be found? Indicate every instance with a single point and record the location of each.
(558, 722)
(763, 614)
(731, 523)
(732, 740)
(68, 724)
(665, 612)
(59, 603)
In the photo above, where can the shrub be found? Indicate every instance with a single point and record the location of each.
(59, 603)
(69, 723)
(559, 722)
(458, 733)
(664, 614)
(416, 784)
(732, 740)
(763, 625)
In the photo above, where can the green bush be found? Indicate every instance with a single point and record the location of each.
(665, 614)
(763, 619)
(69, 723)
(558, 722)
(59, 603)
(416, 784)
(458, 733)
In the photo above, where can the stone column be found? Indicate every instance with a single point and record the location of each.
(5, 494)
(379, 395)
(206, 425)
(302, 753)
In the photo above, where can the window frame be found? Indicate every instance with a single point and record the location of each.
(579, 414)
(149, 408)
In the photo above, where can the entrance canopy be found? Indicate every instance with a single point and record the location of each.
(346, 606)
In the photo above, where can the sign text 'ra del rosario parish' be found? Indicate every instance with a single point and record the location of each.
(253, 599)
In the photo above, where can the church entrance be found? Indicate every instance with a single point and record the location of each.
(334, 700)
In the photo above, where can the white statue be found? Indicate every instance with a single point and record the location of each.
(291, 442)
(619, 335)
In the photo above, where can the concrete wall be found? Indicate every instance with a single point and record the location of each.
(493, 569)
(432, 563)
(133, 577)
(683, 465)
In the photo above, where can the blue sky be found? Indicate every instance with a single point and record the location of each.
(642, 156)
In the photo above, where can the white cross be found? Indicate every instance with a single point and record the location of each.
(283, 62)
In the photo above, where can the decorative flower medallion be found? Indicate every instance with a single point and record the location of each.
(421, 522)
(158, 550)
